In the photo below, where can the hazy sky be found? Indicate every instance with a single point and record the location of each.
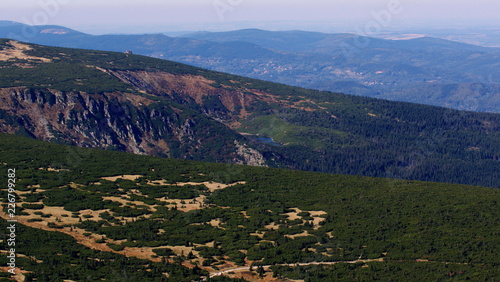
(103, 16)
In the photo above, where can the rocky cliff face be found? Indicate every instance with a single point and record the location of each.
(222, 103)
(56, 97)
(81, 119)
(121, 121)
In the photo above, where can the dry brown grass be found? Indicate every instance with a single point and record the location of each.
(215, 222)
(52, 169)
(60, 216)
(19, 273)
(73, 232)
(186, 205)
(317, 218)
(22, 256)
(125, 201)
(212, 186)
(90, 241)
(294, 215)
(316, 215)
(126, 177)
(244, 213)
(209, 244)
(303, 234)
(272, 226)
(17, 52)
(197, 203)
(260, 235)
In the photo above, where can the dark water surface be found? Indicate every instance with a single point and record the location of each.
(265, 140)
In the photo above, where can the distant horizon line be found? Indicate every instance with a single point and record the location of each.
(450, 33)
(319, 27)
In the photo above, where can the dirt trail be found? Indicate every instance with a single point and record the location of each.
(266, 267)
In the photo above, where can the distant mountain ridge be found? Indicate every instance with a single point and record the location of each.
(422, 70)
(146, 44)
(425, 70)
(300, 41)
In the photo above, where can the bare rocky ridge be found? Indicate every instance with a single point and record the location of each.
(74, 115)
(129, 121)
(191, 88)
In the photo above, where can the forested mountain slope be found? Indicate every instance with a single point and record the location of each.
(89, 214)
(149, 106)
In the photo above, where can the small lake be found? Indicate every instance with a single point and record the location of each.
(265, 140)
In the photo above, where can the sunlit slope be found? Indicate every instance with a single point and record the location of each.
(229, 216)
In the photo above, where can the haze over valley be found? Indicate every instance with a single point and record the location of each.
(420, 70)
